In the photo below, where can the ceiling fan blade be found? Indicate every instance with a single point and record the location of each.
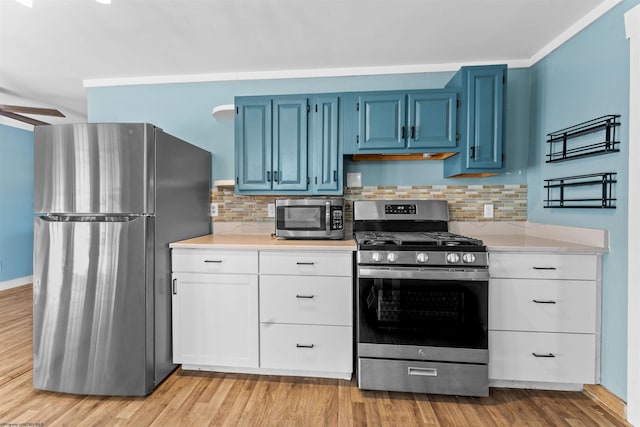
(31, 110)
(22, 118)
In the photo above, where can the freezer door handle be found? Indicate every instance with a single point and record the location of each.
(174, 286)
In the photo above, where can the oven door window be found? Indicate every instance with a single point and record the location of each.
(424, 313)
(312, 218)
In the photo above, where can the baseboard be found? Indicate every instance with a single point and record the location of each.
(14, 283)
(605, 398)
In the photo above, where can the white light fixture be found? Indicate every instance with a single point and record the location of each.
(28, 3)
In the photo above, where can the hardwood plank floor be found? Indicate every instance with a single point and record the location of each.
(206, 398)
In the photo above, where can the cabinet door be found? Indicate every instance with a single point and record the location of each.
(485, 99)
(253, 144)
(326, 156)
(381, 121)
(215, 319)
(290, 143)
(432, 119)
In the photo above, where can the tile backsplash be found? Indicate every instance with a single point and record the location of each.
(466, 202)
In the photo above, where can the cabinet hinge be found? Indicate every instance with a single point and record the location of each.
(357, 106)
(308, 108)
(357, 139)
(308, 180)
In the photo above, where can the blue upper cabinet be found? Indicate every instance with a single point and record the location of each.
(432, 119)
(400, 122)
(326, 155)
(253, 144)
(481, 122)
(381, 121)
(288, 144)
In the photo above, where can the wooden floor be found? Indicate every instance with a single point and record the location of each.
(198, 399)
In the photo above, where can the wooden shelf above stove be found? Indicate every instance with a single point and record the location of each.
(408, 156)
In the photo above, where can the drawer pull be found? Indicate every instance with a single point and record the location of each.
(543, 355)
(305, 263)
(537, 301)
(305, 296)
(304, 345)
(423, 372)
(216, 261)
(544, 268)
(174, 286)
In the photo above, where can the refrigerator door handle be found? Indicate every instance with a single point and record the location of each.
(174, 286)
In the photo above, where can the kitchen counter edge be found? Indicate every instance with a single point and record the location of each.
(261, 242)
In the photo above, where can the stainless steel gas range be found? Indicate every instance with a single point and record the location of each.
(422, 300)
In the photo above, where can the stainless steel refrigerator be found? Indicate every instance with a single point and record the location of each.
(108, 199)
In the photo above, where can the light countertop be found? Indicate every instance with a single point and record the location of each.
(262, 242)
(525, 243)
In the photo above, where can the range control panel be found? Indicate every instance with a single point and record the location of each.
(407, 209)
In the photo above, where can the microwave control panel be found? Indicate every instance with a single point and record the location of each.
(337, 222)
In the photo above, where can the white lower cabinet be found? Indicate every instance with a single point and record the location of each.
(306, 347)
(544, 319)
(292, 315)
(542, 357)
(215, 319)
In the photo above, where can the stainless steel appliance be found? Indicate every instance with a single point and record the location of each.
(422, 300)
(108, 199)
(310, 218)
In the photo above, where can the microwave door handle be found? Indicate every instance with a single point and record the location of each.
(328, 217)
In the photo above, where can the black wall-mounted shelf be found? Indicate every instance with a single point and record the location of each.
(603, 188)
(561, 150)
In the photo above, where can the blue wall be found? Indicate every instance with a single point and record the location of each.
(585, 78)
(184, 110)
(16, 203)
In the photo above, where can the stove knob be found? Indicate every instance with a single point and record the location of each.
(468, 257)
(392, 257)
(422, 257)
(453, 258)
(376, 256)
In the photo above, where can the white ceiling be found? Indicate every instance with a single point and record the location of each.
(49, 52)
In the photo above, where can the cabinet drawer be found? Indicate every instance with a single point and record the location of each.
(520, 356)
(309, 300)
(214, 261)
(542, 305)
(543, 266)
(422, 377)
(306, 347)
(307, 263)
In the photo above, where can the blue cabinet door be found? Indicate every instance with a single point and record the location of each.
(253, 144)
(290, 143)
(381, 121)
(432, 119)
(484, 93)
(326, 155)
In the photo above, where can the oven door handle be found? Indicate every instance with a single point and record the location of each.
(424, 274)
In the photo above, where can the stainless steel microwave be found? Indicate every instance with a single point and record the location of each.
(310, 218)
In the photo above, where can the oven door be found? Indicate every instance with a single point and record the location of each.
(423, 313)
